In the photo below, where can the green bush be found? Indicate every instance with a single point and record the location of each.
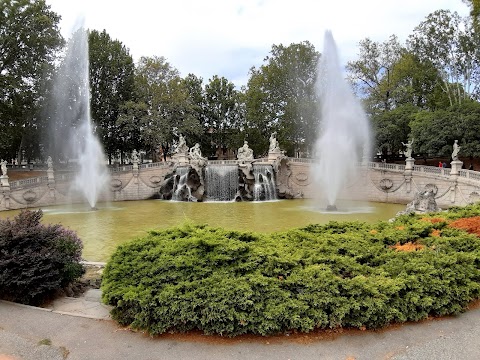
(36, 259)
(320, 276)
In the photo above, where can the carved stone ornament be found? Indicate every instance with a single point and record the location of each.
(155, 179)
(386, 184)
(301, 177)
(116, 183)
(432, 187)
(474, 197)
(30, 196)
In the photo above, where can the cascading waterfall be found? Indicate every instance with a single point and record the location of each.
(344, 128)
(180, 183)
(221, 182)
(264, 188)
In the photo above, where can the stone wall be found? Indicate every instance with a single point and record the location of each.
(375, 182)
(392, 183)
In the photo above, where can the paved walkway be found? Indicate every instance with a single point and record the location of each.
(32, 333)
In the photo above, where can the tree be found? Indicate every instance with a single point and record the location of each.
(171, 101)
(449, 43)
(221, 115)
(474, 10)
(112, 85)
(417, 83)
(435, 132)
(391, 128)
(130, 121)
(29, 41)
(373, 73)
(281, 97)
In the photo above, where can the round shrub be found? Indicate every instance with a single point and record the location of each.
(321, 276)
(36, 259)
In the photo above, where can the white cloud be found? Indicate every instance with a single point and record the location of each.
(228, 37)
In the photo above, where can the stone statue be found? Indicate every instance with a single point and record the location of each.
(245, 153)
(195, 152)
(135, 156)
(408, 151)
(273, 143)
(4, 167)
(182, 147)
(49, 163)
(456, 150)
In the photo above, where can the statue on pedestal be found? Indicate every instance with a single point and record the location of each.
(274, 147)
(245, 153)
(4, 167)
(195, 153)
(182, 147)
(408, 151)
(49, 163)
(134, 156)
(456, 150)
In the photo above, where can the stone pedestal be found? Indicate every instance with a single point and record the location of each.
(51, 176)
(51, 182)
(5, 190)
(4, 182)
(409, 162)
(456, 167)
(274, 155)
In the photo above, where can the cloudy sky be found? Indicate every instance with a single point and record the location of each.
(228, 37)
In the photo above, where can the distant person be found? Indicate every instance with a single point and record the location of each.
(470, 167)
(444, 164)
(440, 164)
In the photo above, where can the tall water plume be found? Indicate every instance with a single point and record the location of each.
(344, 128)
(71, 132)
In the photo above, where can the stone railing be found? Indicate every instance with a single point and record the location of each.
(386, 166)
(223, 162)
(122, 168)
(31, 182)
(154, 165)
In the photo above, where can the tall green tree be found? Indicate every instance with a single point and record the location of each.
(391, 129)
(112, 80)
(449, 42)
(172, 104)
(222, 117)
(29, 41)
(373, 74)
(417, 83)
(435, 132)
(280, 97)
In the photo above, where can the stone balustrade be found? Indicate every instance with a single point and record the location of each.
(385, 182)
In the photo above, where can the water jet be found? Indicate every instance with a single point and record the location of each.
(344, 128)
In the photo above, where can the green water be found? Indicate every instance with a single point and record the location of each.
(115, 223)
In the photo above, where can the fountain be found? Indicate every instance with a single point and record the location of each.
(264, 188)
(221, 182)
(344, 129)
(72, 129)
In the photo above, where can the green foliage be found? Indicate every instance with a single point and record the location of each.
(435, 132)
(281, 97)
(112, 85)
(320, 276)
(36, 259)
(29, 39)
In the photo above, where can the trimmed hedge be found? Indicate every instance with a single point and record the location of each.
(348, 274)
(36, 259)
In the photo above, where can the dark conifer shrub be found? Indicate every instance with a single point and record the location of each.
(36, 259)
